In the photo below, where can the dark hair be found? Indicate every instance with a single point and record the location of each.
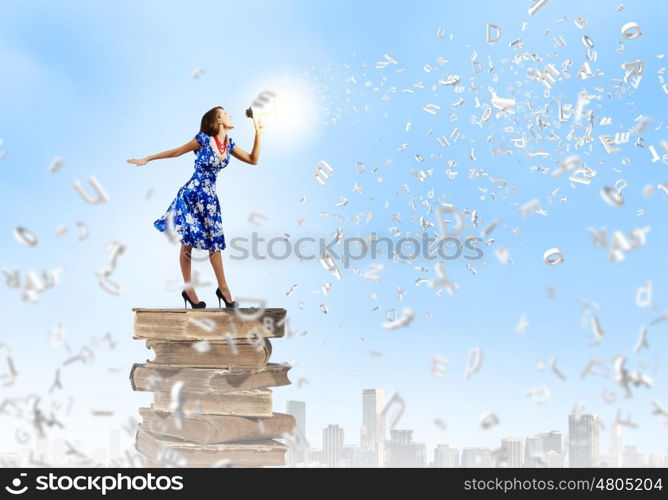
(209, 123)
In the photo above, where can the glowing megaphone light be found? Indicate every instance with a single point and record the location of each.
(263, 105)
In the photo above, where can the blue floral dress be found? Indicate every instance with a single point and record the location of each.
(195, 211)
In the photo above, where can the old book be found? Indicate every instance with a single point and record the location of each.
(210, 429)
(199, 324)
(253, 403)
(161, 378)
(177, 453)
(210, 353)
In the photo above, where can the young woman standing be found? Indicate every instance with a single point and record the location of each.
(195, 212)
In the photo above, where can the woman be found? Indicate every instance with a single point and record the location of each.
(195, 211)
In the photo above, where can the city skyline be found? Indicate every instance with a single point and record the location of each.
(580, 446)
(547, 449)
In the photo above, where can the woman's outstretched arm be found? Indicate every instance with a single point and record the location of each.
(191, 145)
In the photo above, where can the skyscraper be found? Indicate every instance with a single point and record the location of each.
(511, 451)
(552, 442)
(533, 451)
(403, 452)
(616, 446)
(446, 456)
(297, 409)
(541, 446)
(583, 440)
(332, 445)
(372, 434)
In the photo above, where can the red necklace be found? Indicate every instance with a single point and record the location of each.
(222, 148)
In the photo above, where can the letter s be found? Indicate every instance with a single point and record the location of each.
(479, 252)
(42, 483)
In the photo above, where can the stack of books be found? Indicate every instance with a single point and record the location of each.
(211, 382)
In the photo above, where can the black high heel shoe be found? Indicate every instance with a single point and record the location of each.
(228, 305)
(185, 296)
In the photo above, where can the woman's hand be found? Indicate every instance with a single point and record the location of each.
(139, 162)
(259, 126)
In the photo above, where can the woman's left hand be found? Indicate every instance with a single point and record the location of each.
(138, 161)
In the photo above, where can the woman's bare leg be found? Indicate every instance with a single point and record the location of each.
(186, 270)
(217, 264)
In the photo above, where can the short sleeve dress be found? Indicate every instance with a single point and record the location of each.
(195, 214)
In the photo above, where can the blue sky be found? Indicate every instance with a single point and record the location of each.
(100, 83)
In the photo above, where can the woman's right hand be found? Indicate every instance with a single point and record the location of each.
(139, 162)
